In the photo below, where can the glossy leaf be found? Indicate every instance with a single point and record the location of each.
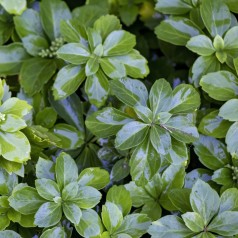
(193, 221)
(229, 110)
(14, 7)
(54, 232)
(231, 142)
(72, 212)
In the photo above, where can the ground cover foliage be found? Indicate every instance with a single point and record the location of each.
(118, 118)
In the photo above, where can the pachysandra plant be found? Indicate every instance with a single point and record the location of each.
(210, 216)
(161, 124)
(99, 54)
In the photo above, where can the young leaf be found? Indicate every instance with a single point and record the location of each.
(72, 212)
(54, 232)
(229, 200)
(14, 7)
(193, 221)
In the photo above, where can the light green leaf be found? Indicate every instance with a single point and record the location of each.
(66, 170)
(229, 110)
(15, 146)
(45, 169)
(134, 225)
(222, 85)
(169, 226)
(11, 58)
(52, 13)
(201, 44)
(144, 163)
(216, 16)
(118, 42)
(119, 196)
(35, 73)
(176, 7)
(67, 81)
(193, 221)
(87, 197)
(48, 189)
(92, 66)
(131, 135)
(94, 177)
(9, 234)
(160, 139)
(97, 88)
(72, 212)
(130, 91)
(25, 200)
(214, 125)
(107, 24)
(70, 137)
(160, 96)
(204, 200)
(74, 53)
(106, 122)
(229, 40)
(111, 216)
(128, 14)
(94, 39)
(177, 30)
(184, 99)
(90, 224)
(16, 7)
(211, 152)
(229, 200)
(224, 224)
(112, 67)
(49, 214)
(135, 64)
(182, 128)
(231, 140)
(12, 123)
(70, 191)
(54, 232)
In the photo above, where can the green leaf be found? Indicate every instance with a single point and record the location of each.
(160, 139)
(13, 6)
(106, 122)
(229, 110)
(107, 24)
(214, 125)
(135, 64)
(229, 39)
(231, 140)
(92, 66)
(111, 216)
(204, 200)
(35, 73)
(45, 169)
(201, 44)
(9, 234)
(130, 91)
(185, 99)
(169, 226)
(94, 40)
(224, 224)
(90, 224)
(216, 16)
(177, 30)
(152, 209)
(74, 53)
(180, 199)
(118, 42)
(12, 123)
(112, 67)
(15, 146)
(70, 191)
(176, 7)
(54, 232)
(70, 137)
(11, 58)
(94, 177)
(229, 200)
(52, 13)
(120, 170)
(222, 85)
(66, 170)
(46, 118)
(144, 163)
(119, 196)
(131, 135)
(67, 81)
(223, 176)
(72, 212)
(202, 66)
(134, 225)
(48, 189)
(193, 221)
(232, 5)
(87, 197)
(49, 214)
(25, 200)
(128, 14)
(182, 128)
(97, 88)
(211, 152)
(160, 96)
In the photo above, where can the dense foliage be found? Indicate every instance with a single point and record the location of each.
(118, 118)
